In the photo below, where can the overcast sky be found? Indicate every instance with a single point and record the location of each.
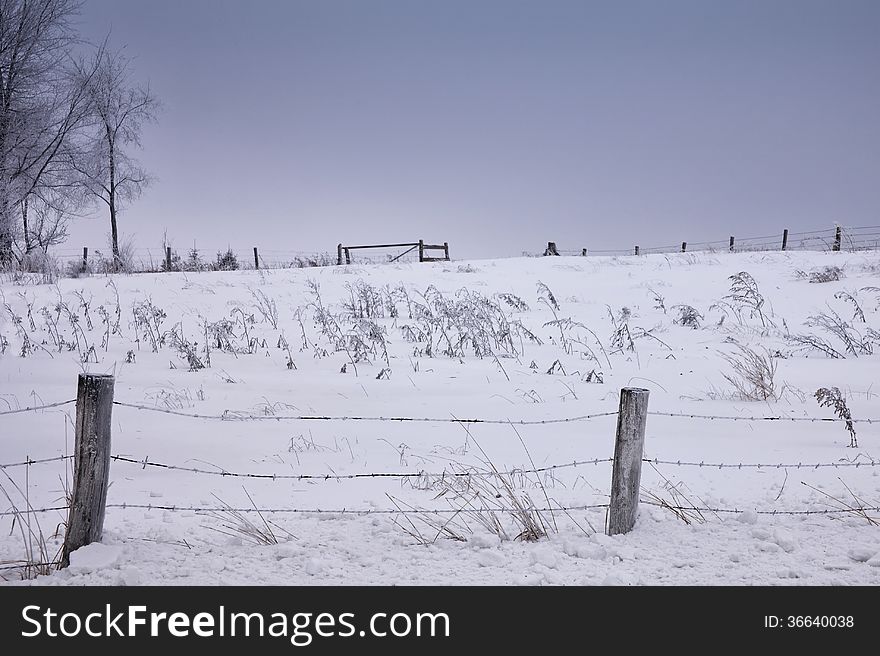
(498, 125)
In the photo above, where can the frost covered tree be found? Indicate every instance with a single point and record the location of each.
(41, 106)
(119, 110)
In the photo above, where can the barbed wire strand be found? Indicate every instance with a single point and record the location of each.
(34, 408)
(232, 416)
(302, 511)
(29, 462)
(776, 418)
(437, 511)
(145, 462)
(832, 511)
(743, 465)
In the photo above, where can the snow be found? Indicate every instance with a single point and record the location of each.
(94, 557)
(733, 539)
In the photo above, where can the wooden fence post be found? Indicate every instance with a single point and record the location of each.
(256, 258)
(91, 464)
(583, 252)
(168, 258)
(339, 254)
(837, 236)
(421, 250)
(446, 250)
(85, 258)
(637, 250)
(627, 466)
(731, 243)
(551, 248)
(684, 246)
(347, 256)
(784, 239)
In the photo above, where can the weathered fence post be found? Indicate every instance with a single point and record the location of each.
(784, 239)
(339, 254)
(91, 464)
(837, 237)
(583, 252)
(637, 250)
(551, 248)
(85, 258)
(421, 250)
(684, 246)
(168, 258)
(731, 243)
(256, 258)
(446, 250)
(347, 256)
(627, 467)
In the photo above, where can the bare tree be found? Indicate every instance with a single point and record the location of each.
(120, 109)
(39, 109)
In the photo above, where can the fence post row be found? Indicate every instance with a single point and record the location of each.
(684, 246)
(94, 404)
(627, 467)
(731, 243)
(784, 239)
(637, 250)
(837, 236)
(85, 257)
(256, 258)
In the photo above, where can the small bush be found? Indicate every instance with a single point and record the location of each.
(825, 274)
(193, 261)
(226, 261)
(687, 316)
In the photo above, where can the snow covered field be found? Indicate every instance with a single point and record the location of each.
(528, 339)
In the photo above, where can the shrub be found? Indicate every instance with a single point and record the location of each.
(687, 316)
(226, 261)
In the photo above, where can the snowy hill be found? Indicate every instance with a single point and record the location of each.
(290, 371)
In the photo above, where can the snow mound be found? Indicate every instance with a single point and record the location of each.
(93, 557)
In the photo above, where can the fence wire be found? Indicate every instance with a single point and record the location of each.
(770, 418)
(830, 511)
(440, 511)
(229, 415)
(304, 511)
(34, 408)
(222, 472)
(28, 462)
(235, 416)
(145, 462)
(743, 465)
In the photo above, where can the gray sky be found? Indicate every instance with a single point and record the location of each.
(497, 126)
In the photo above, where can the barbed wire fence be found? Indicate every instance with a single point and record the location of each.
(860, 461)
(194, 258)
(838, 238)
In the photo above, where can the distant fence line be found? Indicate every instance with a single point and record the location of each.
(838, 238)
(146, 260)
(169, 259)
